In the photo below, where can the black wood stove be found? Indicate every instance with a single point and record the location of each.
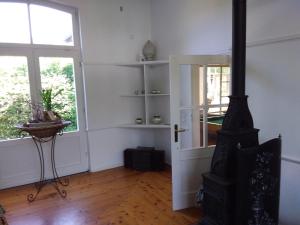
(242, 187)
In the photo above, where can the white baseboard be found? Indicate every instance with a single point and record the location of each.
(291, 159)
(30, 177)
(106, 166)
(186, 200)
(26, 178)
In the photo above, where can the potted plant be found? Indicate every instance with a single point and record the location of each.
(47, 96)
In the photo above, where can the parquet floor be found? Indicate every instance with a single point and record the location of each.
(117, 196)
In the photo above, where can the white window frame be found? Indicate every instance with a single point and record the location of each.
(68, 9)
(34, 51)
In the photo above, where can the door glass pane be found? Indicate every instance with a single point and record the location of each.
(213, 85)
(193, 136)
(14, 23)
(191, 85)
(225, 90)
(14, 95)
(214, 123)
(51, 26)
(58, 74)
(218, 85)
(200, 123)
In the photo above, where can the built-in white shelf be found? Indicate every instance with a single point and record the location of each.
(148, 95)
(145, 126)
(157, 95)
(147, 76)
(132, 95)
(156, 62)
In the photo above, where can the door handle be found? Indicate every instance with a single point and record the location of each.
(180, 130)
(176, 131)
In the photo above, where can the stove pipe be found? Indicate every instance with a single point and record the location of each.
(242, 187)
(238, 47)
(237, 126)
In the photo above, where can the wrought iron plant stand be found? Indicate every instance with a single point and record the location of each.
(41, 135)
(3, 220)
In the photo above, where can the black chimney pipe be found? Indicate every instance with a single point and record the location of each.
(243, 184)
(239, 15)
(238, 120)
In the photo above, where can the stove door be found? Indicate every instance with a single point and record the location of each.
(196, 115)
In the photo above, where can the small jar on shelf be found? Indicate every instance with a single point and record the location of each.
(139, 120)
(156, 119)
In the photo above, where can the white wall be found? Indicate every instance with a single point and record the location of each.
(110, 36)
(273, 85)
(191, 26)
(204, 26)
(19, 161)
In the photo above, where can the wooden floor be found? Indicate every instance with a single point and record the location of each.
(117, 196)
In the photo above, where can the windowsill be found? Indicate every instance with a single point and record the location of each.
(18, 141)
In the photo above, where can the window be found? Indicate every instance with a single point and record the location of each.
(46, 31)
(204, 100)
(14, 94)
(14, 23)
(58, 74)
(51, 26)
(218, 89)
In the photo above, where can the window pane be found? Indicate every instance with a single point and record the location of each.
(58, 74)
(192, 122)
(14, 95)
(191, 86)
(14, 23)
(213, 85)
(218, 85)
(225, 91)
(214, 123)
(51, 26)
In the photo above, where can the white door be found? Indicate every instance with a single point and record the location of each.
(40, 48)
(198, 90)
(31, 71)
(71, 148)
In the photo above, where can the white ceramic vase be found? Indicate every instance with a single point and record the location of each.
(149, 51)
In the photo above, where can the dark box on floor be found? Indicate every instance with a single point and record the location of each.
(144, 159)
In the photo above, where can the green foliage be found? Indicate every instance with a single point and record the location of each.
(61, 80)
(47, 97)
(58, 95)
(53, 70)
(68, 72)
(15, 112)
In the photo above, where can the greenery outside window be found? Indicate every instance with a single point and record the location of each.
(34, 38)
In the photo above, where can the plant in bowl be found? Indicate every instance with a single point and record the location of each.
(47, 97)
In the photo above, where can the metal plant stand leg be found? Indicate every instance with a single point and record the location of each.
(56, 181)
(39, 185)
